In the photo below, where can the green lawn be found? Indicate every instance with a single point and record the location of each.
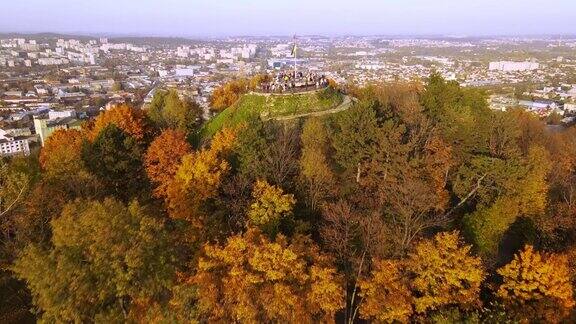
(272, 106)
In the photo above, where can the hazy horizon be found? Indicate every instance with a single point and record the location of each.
(179, 18)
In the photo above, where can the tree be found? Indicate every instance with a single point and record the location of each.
(253, 279)
(62, 152)
(443, 272)
(532, 131)
(403, 177)
(198, 179)
(104, 257)
(130, 120)
(13, 187)
(353, 235)
(396, 162)
(163, 158)
(510, 189)
(353, 139)
(116, 159)
(64, 169)
(460, 114)
(258, 79)
(167, 110)
(270, 206)
(156, 107)
(537, 286)
(409, 182)
(269, 152)
(314, 164)
(228, 93)
(386, 296)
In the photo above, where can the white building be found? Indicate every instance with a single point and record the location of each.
(55, 114)
(52, 61)
(184, 72)
(12, 145)
(507, 66)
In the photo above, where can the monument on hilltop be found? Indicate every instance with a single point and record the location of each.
(293, 80)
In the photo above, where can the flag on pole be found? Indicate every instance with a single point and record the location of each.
(294, 47)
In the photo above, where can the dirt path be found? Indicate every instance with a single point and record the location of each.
(346, 103)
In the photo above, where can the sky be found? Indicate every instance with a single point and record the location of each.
(216, 18)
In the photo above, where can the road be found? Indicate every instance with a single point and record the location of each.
(346, 103)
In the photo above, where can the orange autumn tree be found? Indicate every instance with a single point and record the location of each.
(130, 120)
(444, 273)
(386, 296)
(163, 159)
(537, 286)
(198, 178)
(66, 175)
(251, 279)
(227, 94)
(62, 152)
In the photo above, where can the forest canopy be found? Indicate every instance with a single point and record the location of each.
(416, 204)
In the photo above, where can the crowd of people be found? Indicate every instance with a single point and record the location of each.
(294, 81)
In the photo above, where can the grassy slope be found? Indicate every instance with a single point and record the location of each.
(271, 107)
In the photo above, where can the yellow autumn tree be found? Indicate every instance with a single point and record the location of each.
(198, 178)
(444, 273)
(537, 286)
(196, 181)
(270, 206)
(386, 296)
(252, 279)
(224, 141)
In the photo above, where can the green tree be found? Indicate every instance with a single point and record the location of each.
(315, 168)
(353, 138)
(156, 107)
(18, 177)
(460, 114)
(509, 189)
(105, 257)
(167, 110)
(116, 159)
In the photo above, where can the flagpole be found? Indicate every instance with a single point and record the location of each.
(295, 56)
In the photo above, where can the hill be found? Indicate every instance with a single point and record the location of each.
(273, 106)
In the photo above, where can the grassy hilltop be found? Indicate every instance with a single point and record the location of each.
(271, 107)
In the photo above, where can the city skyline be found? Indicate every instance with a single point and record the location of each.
(177, 18)
(256, 161)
